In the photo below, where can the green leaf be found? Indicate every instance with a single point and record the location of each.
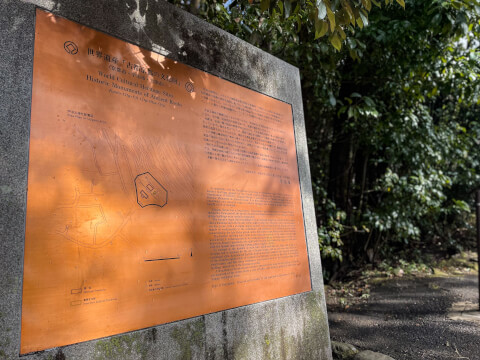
(331, 98)
(331, 19)
(367, 4)
(350, 13)
(280, 6)
(360, 23)
(462, 205)
(402, 3)
(297, 9)
(321, 28)
(364, 16)
(350, 112)
(288, 7)
(322, 9)
(264, 5)
(335, 41)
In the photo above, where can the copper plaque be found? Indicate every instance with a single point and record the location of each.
(156, 191)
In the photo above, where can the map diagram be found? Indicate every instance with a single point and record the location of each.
(150, 191)
(89, 219)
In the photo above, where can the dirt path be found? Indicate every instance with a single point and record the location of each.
(407, 319)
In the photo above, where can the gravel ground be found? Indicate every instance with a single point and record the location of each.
(406, 318)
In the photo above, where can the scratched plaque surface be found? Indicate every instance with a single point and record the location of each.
(156, 191)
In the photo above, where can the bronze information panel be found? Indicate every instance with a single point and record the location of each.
(156, 191)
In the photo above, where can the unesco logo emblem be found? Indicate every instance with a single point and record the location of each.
(70, 47)
(189, 87)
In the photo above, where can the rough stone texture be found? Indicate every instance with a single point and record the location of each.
(343, 351)
(16, 56)
(285, 328)
(289, 328)
(370, 355)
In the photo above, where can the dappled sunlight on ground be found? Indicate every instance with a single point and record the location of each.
(406, 318)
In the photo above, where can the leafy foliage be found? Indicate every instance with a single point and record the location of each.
(281, 21)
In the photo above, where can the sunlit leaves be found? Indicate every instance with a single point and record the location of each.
(322, 9)
(289, 18)
(348, 14)
(331, 19)
(335, 18)
(321, 28)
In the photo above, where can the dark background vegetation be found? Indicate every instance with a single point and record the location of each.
(391, 95)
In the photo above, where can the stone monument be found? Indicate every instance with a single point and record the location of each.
(155, 190)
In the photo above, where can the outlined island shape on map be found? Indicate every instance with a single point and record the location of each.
(156, 191)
